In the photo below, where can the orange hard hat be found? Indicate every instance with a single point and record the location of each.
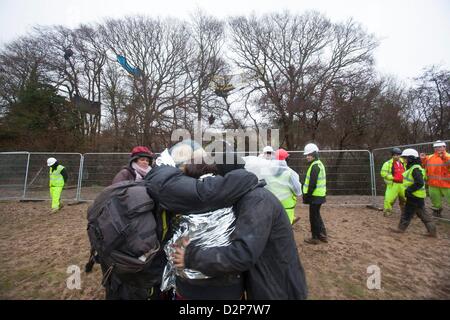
(281, 154)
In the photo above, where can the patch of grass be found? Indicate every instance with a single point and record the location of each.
(352, 290)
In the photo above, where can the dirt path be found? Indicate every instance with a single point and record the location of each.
(412, 266)
(37, 247)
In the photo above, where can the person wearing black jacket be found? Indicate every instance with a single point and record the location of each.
(227, 286)
(413, 181)
(207, 229)
(262, 245)
(314, 192)
(140, 286)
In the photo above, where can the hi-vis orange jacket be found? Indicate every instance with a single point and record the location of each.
(438, 170)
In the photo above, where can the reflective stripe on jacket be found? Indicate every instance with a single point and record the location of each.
(321, 187)
(438, 170)
(386, 171)
(280, 185)
(408, 180)
(56, 178)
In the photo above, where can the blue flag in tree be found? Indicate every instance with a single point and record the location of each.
(123, 62)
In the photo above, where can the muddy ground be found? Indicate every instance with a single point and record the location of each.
(37, 247)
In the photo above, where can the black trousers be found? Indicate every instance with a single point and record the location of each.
(412, 209)
(117, 289)
(317, 226)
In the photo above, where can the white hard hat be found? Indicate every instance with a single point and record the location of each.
(310, 148)
(51, 161)
(439, 143)
(410, 153)
(268, 149)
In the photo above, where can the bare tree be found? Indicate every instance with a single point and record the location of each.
(115, 99)
(205, 62)
(304, 74)
(430, 101)
(296, 60)
(77, 74)
(158, 49)
(93, 56)
(18, 61)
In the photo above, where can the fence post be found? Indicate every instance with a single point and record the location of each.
(80, 178)
(374, 182)
(26, 177)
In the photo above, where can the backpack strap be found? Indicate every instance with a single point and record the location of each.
(92, 259)
(107, 274)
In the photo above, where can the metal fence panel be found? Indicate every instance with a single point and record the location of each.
(98, 172)
(352, 175)
(381, 155)
(349, 174)
(38, 175)
(13, 173)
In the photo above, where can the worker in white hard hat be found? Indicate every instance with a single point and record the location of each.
(437, 167)
(58, 177)
(314, 193)
(414, 184)
(268, 153)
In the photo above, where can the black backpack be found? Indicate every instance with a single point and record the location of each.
(122, 229)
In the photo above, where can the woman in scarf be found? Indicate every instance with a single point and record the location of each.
(138, 166)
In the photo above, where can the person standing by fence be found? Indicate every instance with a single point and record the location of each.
(57, 179)
(414, 184)
(285, 184)
(314, 192)
(392, 173)
(139, 165)
(437, 168)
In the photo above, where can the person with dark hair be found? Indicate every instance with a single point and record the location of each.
(392, 173)
(146, 284)
(138, 167)
(140, 285)
(262, 244)
(414, 184)
(314, 192)
(208, 229)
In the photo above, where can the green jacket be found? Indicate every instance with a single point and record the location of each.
(387, 170)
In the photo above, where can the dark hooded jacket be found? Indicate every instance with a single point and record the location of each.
(263, 245)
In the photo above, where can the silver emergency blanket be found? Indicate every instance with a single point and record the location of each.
(211, 229)
(278, 176)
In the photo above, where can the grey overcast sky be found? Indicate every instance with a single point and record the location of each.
(414, 34)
